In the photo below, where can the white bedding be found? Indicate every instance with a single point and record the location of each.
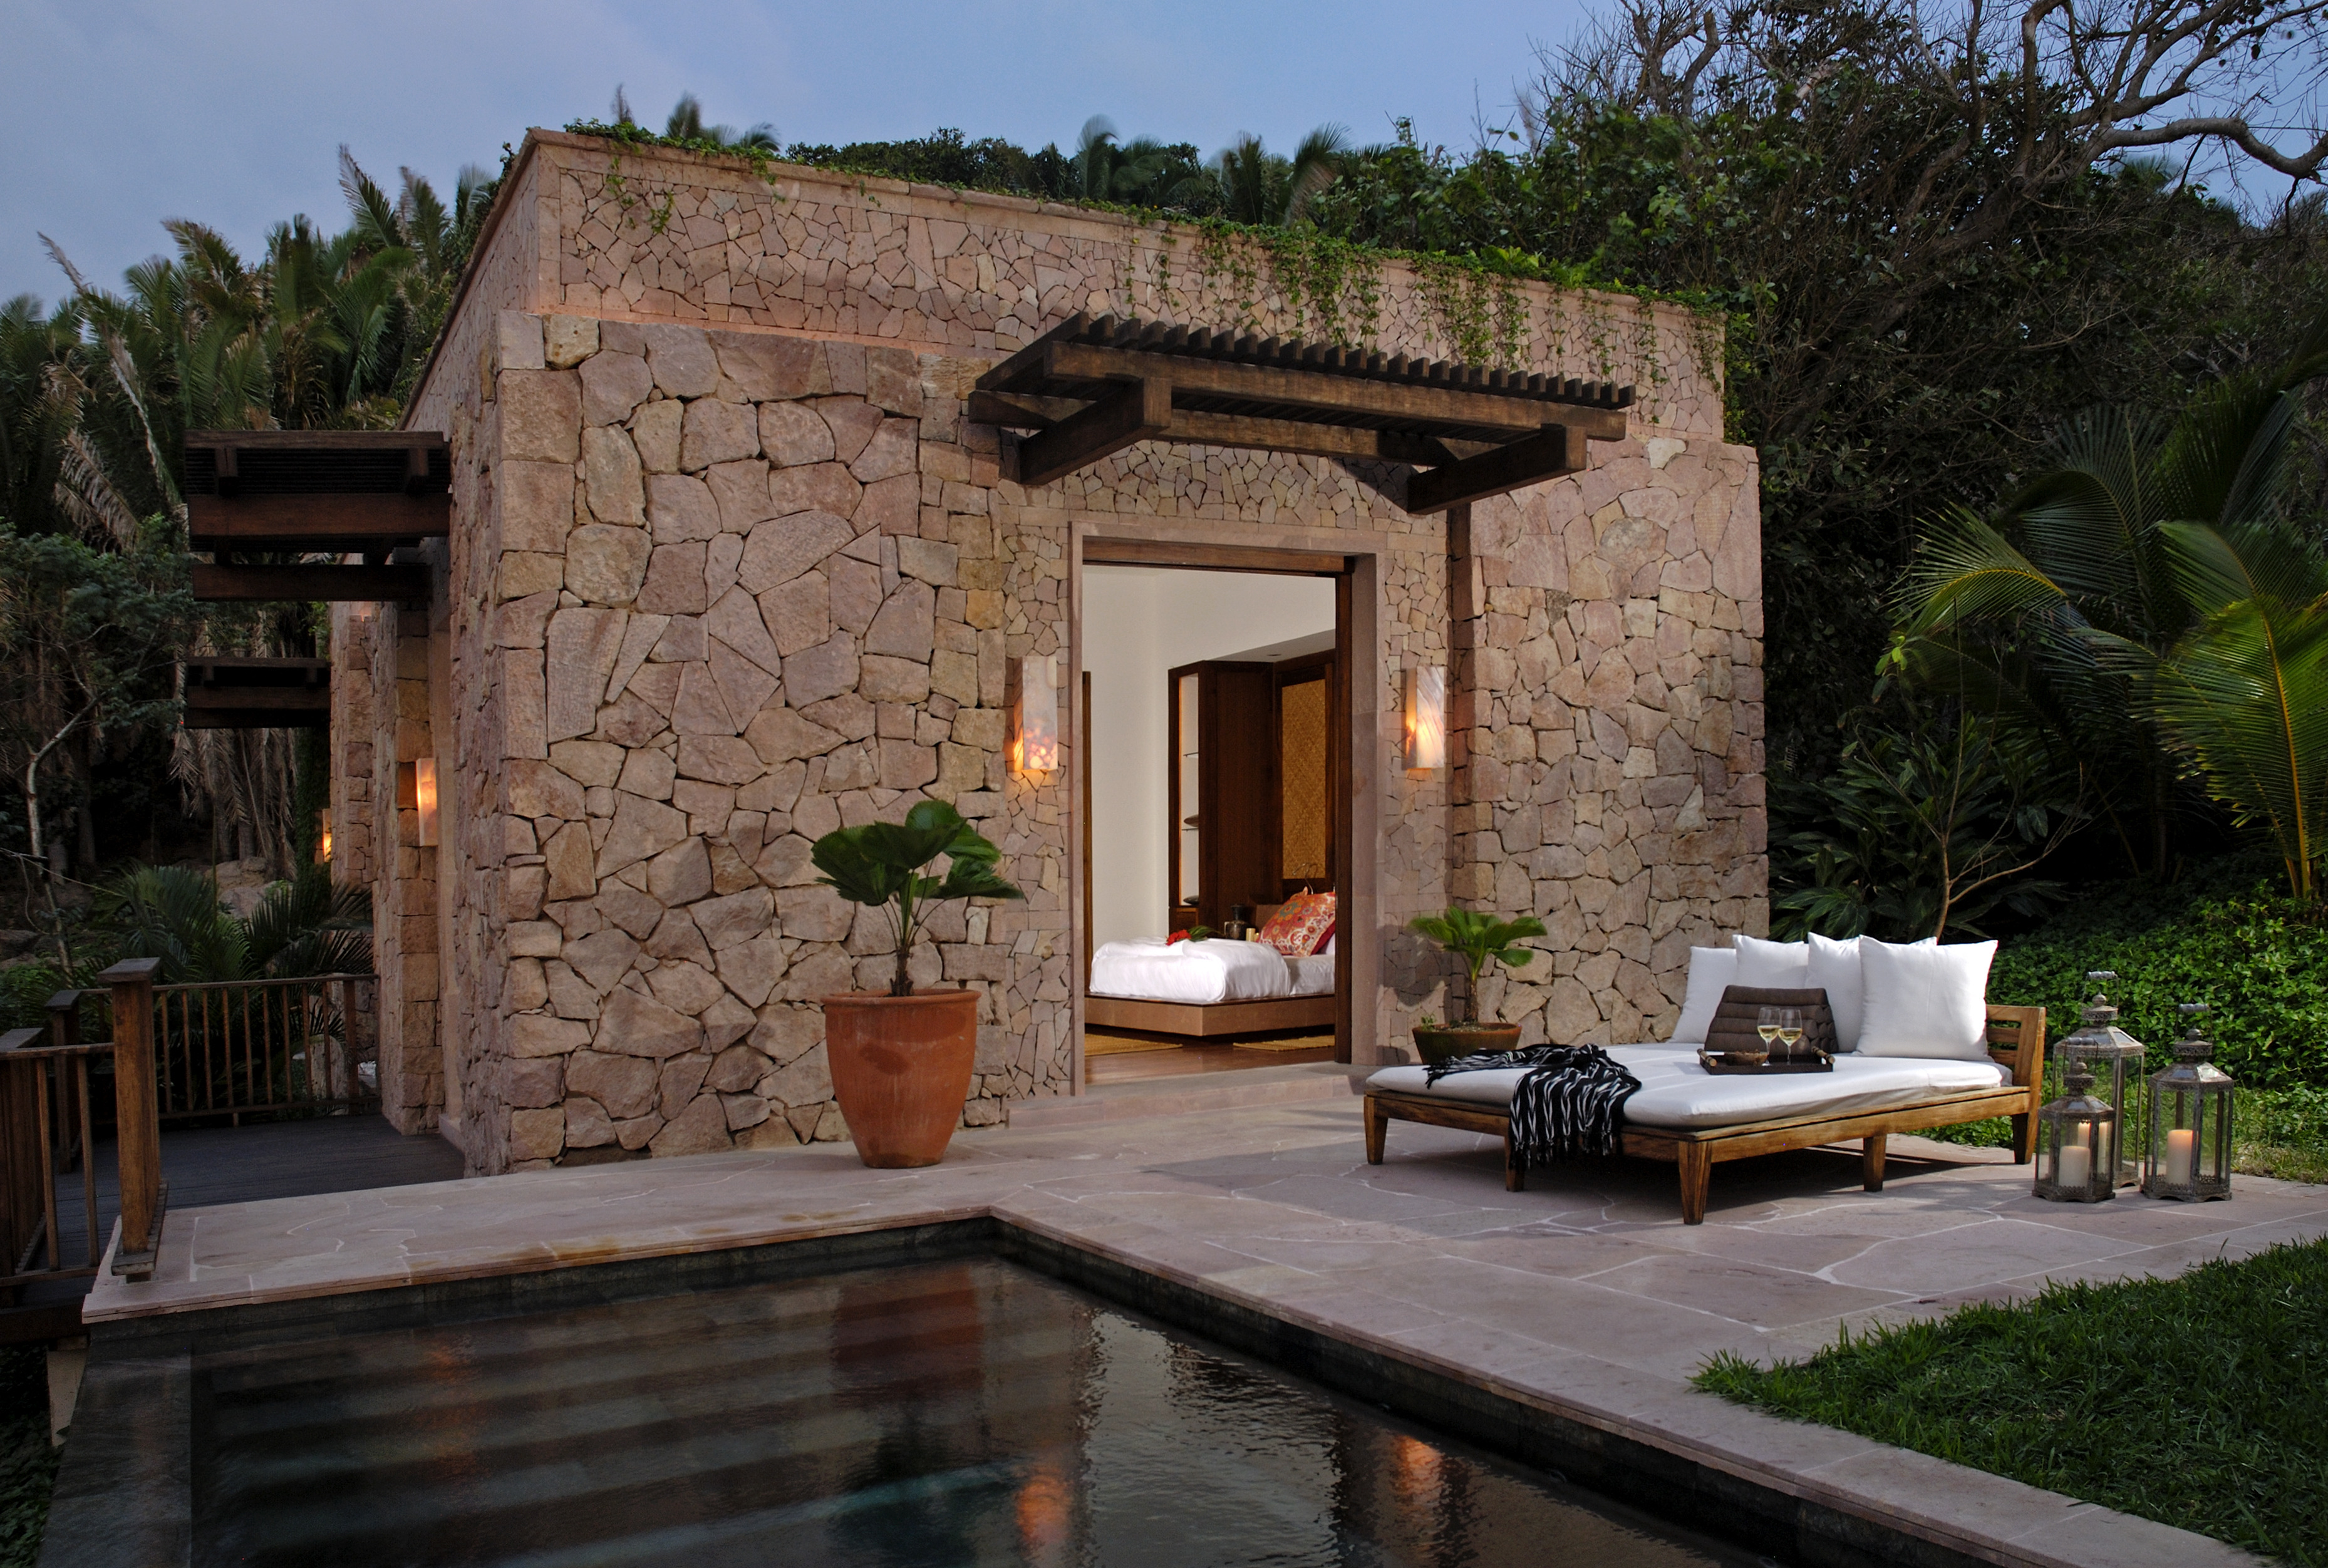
(1216, 970)
(1677, 1092)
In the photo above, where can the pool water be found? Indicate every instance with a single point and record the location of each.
(956, 1412)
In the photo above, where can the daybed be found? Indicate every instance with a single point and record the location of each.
(1208, 989)
(1697, 1120)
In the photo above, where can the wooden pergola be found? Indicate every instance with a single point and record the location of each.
(340, 492)
(237, 693)
(1092, 386)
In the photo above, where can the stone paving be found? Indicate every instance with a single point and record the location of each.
(1586, 1293)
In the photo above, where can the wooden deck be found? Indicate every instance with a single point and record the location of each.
(215, 1165)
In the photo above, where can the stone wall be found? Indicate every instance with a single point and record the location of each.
(711, 593)
(405, 904)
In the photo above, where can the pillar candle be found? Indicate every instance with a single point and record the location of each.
(2077, 1165)
(2181, 1147)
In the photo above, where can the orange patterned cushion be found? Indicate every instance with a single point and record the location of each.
(1301, 925)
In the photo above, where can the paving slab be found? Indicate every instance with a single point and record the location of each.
(1584, 1297)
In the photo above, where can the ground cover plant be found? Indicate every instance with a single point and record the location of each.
(2201, 1402)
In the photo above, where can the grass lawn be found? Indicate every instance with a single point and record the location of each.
(28, 1465)
(2200, 1402)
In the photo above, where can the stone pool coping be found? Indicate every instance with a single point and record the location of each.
(1147, 1199)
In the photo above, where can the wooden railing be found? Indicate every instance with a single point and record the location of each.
(232, 1049)
(49, 1128)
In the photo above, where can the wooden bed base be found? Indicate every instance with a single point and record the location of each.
(2016, 1038)
(1207, 1020)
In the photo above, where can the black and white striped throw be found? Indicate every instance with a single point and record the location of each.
(1571, 1103)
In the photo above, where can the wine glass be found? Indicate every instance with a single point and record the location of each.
(1790, 1028)
(1768, 1023)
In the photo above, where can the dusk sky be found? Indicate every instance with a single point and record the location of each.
(122, 115)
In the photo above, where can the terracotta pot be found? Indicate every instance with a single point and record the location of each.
(901, 1068)
(1440, 1044)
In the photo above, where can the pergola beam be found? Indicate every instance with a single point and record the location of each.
(1551, 452)
(1326, 395)
(1134, 410)
(336, 584)
(338, 522)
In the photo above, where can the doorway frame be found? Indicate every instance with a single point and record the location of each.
(1354, 562)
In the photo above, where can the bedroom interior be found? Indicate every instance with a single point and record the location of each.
(1211, 805)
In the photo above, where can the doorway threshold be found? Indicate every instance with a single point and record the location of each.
(1190, 1093)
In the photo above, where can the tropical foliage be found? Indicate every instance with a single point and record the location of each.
(305, 925)
(883, 864)
(1923, 828)
(2152, 604)
(320, 331)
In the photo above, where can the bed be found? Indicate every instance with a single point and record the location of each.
(1206, 989)
(1697, 1120)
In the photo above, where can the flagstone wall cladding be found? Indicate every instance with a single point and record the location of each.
(712, 593)
(405, 902)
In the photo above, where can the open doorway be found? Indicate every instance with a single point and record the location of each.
(1215, 816)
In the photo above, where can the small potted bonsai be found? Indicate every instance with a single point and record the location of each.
(901, 1062)
(1474, 938)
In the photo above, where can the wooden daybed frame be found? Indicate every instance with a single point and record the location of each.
(1206, 1020)
(2016, 1038)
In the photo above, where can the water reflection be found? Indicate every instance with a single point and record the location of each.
(950, 1413)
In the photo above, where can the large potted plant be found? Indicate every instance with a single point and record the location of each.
(1477, 940)
(901, 1061)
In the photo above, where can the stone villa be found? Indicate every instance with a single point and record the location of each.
(731, 564)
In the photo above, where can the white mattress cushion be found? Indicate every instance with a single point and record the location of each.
(1710, 971)
(1677, 1092)
(1772, 965)
(1313, 975)
(1926, 1002)
(1218, 969)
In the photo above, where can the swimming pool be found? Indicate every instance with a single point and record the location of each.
(958, 1411)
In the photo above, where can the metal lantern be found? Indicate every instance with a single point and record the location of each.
(2190, 1147)
(2114, 1058)
(2077, 1144)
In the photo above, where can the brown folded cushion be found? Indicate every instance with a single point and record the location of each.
(1735, 1019)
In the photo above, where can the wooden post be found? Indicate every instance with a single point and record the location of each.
(137, 1124)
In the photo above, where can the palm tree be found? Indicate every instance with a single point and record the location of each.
(2244, 693)
(2061, 606)
(686, 124)
(1256, 186)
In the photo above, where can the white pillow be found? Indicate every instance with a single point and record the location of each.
(1711, 973)
(1772, 965)
(1834, 969)
(1925, 1001)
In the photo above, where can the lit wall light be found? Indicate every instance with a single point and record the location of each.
(1035, 721)
(424, 797)
(324, 839)
(1426, 716)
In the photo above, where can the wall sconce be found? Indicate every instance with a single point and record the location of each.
(416, 791)
(1035, 718)
(323, 838)
(1426, 716)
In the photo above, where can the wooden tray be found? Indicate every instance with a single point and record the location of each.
(1823, 1063)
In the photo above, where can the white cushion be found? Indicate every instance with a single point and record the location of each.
(1711, 970)
(1834, 969)
(1925, 1001)
(1677, 1092)
(1772, 965)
